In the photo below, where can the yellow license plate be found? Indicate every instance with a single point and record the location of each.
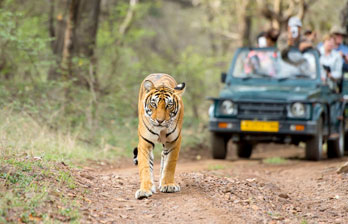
(264, 126)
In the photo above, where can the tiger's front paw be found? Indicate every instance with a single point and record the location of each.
(169, 188)
(140, 194)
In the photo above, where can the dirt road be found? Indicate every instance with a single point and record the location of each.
(230, 191)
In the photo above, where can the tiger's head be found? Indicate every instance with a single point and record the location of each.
(161, 104)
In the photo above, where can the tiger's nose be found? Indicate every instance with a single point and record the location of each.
(160, 121)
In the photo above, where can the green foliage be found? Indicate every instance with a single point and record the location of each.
(28, 188)
(200, 75)
(216, 167)
(275, 160)
(304, 221)
(23, 42)
(63, 119)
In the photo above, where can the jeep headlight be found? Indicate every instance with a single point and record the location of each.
(211, 111)
(298, 110)
(227, 107)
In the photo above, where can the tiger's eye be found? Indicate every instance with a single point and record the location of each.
(153, 103)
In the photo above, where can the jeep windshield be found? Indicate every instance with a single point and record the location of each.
(270, 63)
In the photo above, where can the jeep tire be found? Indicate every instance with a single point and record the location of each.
(244, 149)
(219, 145)
(346, 144)
(314, 145)
(335, 148)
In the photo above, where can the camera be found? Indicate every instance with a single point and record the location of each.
(327, 68)
(294, 31)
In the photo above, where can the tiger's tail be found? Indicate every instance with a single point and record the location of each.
(135, 158)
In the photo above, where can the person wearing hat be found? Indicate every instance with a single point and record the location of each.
(292, 39)
(338, 33)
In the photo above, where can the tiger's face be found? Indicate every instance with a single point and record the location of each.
(161, 104)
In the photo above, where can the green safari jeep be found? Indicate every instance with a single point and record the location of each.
(271, 98)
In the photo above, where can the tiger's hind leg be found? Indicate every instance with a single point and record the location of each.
(145, 163)
(170, 155)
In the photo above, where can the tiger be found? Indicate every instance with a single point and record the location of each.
(160, 113)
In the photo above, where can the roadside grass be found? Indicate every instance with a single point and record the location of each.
(304, 221)
(34, 190)
(20, 133)
(36, 181)
(216, 167)
(275, 161)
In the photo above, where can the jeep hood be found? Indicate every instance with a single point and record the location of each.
(271, 92)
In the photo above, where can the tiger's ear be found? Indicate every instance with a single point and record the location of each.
(148, 85)
(180, 89)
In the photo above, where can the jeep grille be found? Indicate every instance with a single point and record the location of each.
(258, 110)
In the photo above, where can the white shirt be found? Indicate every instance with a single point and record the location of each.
(332, 60)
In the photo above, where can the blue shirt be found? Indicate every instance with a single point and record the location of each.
(344, 50)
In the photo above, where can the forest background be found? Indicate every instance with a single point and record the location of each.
(70, 69)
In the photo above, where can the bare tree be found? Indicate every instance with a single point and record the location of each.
(281, 10)
(73, 25)
(245, 19)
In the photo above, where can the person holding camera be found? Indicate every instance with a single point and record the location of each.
(293, 38)
(331, 62)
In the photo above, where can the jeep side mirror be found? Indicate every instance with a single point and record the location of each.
(223, 77)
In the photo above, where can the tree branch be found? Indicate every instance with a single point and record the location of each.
(290, 11)
(129, 17)
(51, 23)
(229, 35)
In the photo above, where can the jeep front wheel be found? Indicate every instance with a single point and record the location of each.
(335, 148)
(314, 146)
(244, 149)
(346, 144)
(219, 145)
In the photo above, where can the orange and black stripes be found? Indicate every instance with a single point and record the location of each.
(160, 111)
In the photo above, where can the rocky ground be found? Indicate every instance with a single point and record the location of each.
(258, 190)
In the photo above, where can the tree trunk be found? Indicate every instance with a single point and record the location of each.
(66, 63)
(275, 22)
(74, 25)
(344, 16)
(57, 26)
(245, 25)
(246, 33)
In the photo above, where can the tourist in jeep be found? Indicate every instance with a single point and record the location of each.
(330, 60)
(293, 38)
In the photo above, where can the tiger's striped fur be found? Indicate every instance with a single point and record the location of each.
(160, 111)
